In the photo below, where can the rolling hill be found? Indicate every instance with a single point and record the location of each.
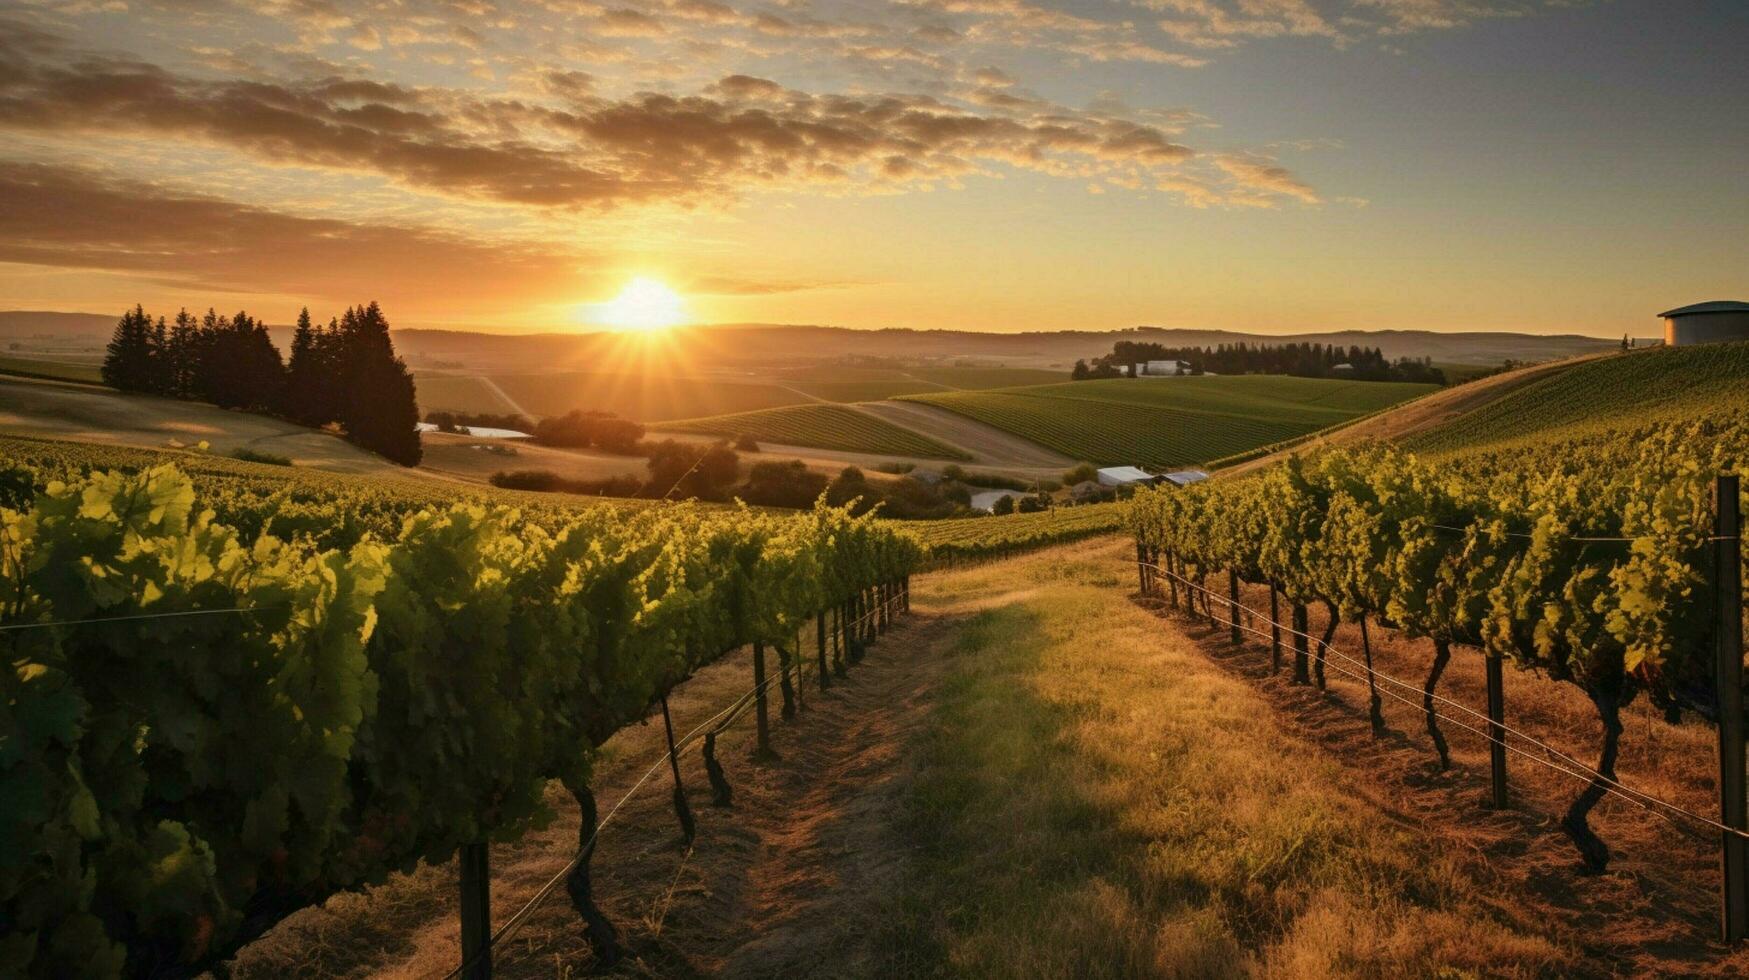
(821, 427)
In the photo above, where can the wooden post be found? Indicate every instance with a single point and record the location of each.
(476, 912)
(1172, 580)
(1728, 639)
(1233, 604)
(1302, 626)
(1141, 567)
(1274, 629)
(759, 709)
(1497, 729)
(820, 643)
(682, 811)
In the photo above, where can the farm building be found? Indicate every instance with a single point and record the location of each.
(1184, 478)
(1160, 369)
(986, 500)
(1087, 492)
(1706, 323)
(1126, 476)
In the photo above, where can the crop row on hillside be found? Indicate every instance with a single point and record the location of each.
(821, 426)
(1115, 432)
(1170, 421)
(973, 538)
(1605, 395)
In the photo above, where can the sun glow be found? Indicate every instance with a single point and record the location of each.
(644, 304)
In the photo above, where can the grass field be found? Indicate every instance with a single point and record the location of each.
(1171, 421)
(821, 427)
(32, 367)
(863, 391)
(1603, 395)
(646, 399)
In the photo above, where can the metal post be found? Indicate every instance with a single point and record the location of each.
(1233, 603)
(1728, 632)
(476, 912)
(1497, 729)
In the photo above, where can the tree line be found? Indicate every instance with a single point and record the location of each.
(344, 373)
(1303, 360)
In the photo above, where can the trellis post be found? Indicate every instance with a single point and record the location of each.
(1497, 729)
(476, 912)
(1233, 603)
(761, 714)
(1728, 639)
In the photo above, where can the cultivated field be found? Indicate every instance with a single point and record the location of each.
(86, 372)
(1603, 395)
(824, 427)
(1170, 421)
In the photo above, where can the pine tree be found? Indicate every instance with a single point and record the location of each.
(304, 402)
(128, 361)
(182, 354)
(239, 366)
(379, 407)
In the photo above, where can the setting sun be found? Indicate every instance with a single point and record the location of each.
(644, 304)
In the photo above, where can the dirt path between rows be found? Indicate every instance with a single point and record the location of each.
(785, 880)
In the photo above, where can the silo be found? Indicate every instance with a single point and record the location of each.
(1706, 323)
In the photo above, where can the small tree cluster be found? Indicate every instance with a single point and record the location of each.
(580, 430)
(345, 373)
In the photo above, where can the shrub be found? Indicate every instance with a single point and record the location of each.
(1003, 505)
(789, 484)
(248, 455)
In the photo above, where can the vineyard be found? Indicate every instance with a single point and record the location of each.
(978, 538)
(1592, 560)
(209, 729)
(1603, 396)
(822, 427)
(1170, 422)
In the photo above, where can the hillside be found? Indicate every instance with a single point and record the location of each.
(1170, 421)
(1603, 395)
(822, 427)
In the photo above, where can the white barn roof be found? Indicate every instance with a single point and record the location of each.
(1117, 476)
(1185, 478)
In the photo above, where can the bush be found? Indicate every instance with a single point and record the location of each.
(248, 455)
(1080, 473)
(789, 484)
(690, 469)
(747, 444)
(546, 481)
(897, 469)
(454, 421)
(1003, 505)
(579, 429)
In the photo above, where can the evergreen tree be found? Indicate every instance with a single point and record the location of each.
(181, 355)
(239, 366)
(379, 406)
(129, 361)
(305, 401)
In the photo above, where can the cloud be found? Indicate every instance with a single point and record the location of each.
(582, 150)
(70, 218)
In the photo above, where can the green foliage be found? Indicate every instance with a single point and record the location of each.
(342, 711)
(973, 538)
(1490, 549)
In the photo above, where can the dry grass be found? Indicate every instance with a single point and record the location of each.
(1097, 798)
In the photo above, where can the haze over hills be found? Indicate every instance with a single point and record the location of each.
(731, 346)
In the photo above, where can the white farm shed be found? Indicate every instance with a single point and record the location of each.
(1125, 476)
(1163, 369)
(1185, 478)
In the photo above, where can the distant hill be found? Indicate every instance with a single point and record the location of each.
(741, 346)
(62, 327)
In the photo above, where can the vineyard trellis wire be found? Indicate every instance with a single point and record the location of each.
(1329, 534)
(1566, 764)
(477, 959)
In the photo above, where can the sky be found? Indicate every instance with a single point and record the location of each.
(1274, 166)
